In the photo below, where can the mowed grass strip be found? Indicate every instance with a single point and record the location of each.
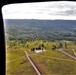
(18, 67)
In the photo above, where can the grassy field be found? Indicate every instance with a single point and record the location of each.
(50, 65)
(49, 62)
(71, 50)
(53, 62)
(18, 64)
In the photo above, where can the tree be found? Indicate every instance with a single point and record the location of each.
(60, 45)
(43, 45)
(54, 47)
(65, 45)
(75, 42)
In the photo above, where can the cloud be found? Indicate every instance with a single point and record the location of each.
(40, 10)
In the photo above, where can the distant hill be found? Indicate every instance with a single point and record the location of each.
(50, 23)
(30, 29)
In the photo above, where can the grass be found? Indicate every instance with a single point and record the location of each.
(49, 62)
(50, 66)
(20, 66)
(70, 49)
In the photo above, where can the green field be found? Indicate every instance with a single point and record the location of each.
(50, 62)
(71, 50)
(49, 65)
(18, 64)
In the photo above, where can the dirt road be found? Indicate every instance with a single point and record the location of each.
(34, 65)
(61, 50)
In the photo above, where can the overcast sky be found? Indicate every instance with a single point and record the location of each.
(40, 10)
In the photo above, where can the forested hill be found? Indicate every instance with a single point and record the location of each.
(48, 23)
(31, 29)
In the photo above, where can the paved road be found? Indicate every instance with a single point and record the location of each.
(61, 50)
(34, 66)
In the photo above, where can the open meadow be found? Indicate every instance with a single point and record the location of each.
(17, 63)
(49, 62)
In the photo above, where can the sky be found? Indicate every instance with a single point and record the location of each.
(40, 10)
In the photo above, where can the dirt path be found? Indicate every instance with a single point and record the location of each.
(14, 59)
(54, 58)
(33, 64)
(74, 52)
(61, 50)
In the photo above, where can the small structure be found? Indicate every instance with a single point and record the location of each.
(37, 50)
